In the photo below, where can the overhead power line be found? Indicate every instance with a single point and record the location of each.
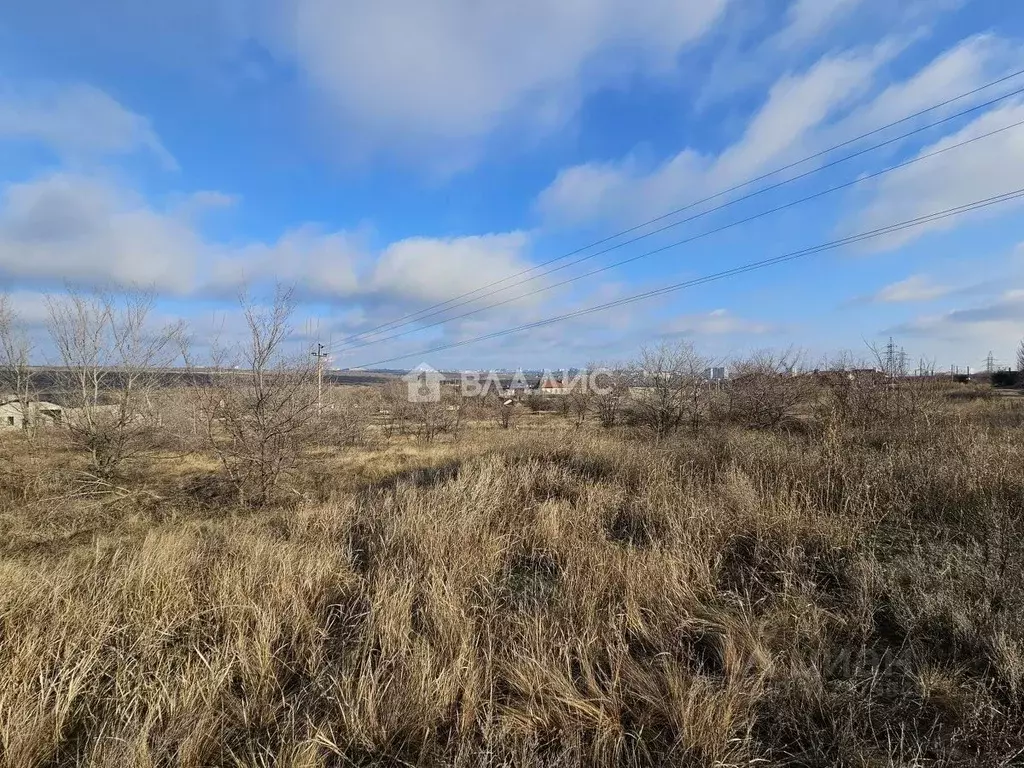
(694, 238)
(724, 274)
(469, 296)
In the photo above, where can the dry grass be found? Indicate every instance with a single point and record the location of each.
(549, 596)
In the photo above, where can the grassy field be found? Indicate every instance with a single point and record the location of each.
(849, 592)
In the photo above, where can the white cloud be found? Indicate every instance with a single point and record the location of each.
(69, 227)
(718, 322)
(915, 288)
(29, 308)
(782, 129)
(809, 19)
(962, 68)
(981, 170)
(965, 336)
(750, 59)
(199, 203)
(816, 23)
(1006, 308)
(77, 121)
(432, 270)
(805, 113)
(317, 263)
(87, 230)
(797, 105)
(453, 71)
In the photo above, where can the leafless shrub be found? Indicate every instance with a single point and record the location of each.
(870, 401)
(671, 389)
(562, 405)
(113, 360)
(611, 394)
(258, 404)
(580, 403)
(769, 389)
(342, 427)
(538, 403)
(16, 376)
(504, 410)
(346, 416)
(394, 412)
(436, 418)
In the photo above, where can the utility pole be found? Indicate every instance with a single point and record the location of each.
(319, 355)
(990, 364)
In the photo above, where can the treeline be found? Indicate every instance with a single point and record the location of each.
(133, 386)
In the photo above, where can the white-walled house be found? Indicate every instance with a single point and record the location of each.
(40, 413)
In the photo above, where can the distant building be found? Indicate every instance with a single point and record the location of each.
(569, 382)
(554, 387)
(552, 384)
(516, 389)
(516, 385)
(39, 413)
(717, 373)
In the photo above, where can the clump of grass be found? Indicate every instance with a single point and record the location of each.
(839, 595)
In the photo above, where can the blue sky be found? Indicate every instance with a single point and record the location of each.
(383, 157)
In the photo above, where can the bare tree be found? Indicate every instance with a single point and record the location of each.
(1020, 360)
(394, 409)
(673, 388)
(345, 415)
(863, 396)
(457, 413)
(768, 389)
(435, 418)
(258, 404)
(537, 403)
(610, 393)
(579, 402)
(112, 361)
(926, 366)
(15, 360)
(503, 410)
(563, 405)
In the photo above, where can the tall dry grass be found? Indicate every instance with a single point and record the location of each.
(847, 593)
